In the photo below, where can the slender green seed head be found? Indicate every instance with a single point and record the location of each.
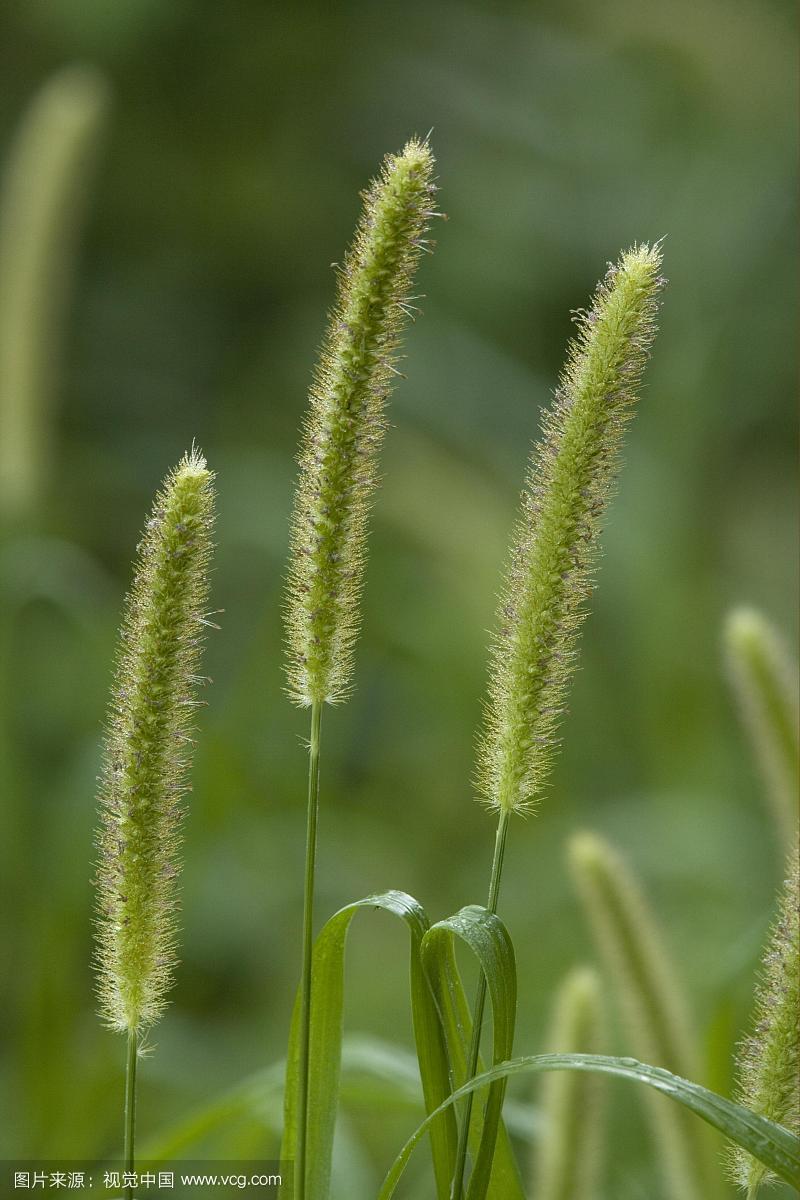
(147, 751)
(768, 1061)
(45, 186)
(654, 1008)
(764, 677)
(568, 1163)
(345, 425)
(549, 574)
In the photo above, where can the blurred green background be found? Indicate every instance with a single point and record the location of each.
(227, 183)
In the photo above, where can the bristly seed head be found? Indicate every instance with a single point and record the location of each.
(549, 574)
(345, 424)
(146, 752)
(769, 1059)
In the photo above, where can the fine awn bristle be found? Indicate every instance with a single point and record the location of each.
(549, 575)
(345, 424)
(147, 750)
(769, 1059)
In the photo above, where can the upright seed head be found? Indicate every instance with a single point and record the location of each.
(147, 751)
(764, 679)
(768, 1061)
(549, 574)
(345, 424)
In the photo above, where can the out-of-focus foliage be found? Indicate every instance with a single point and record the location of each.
(239, 137)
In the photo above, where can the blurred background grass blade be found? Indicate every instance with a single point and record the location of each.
(653, 1003)
(765, 680)
(495, 1173)
(771, 1144)
(569, 1158)
(45, 188)
(327, 1025)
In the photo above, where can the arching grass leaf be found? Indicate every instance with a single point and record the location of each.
(495, 1174)
(327, 999)
(773, 1145)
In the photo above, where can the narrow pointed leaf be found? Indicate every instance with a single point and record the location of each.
(771, 1144)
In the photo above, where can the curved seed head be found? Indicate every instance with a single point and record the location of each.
(345, 424)
(768, 1061)
(549, 573)
(147, 751)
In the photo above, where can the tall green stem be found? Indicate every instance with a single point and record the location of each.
(308, 947)
(477, 1019)
(130, 1107)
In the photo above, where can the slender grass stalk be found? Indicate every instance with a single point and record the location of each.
(338, 474)
(478, 1008)
(768, 1061)
(652, 1002)
(764, 678)
(129, 1140)
(45, 188)
(549, 576)
(146, 763)
(568, 1162)
(308, 930)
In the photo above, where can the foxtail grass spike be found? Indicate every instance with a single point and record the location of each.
(147, 751)
(764, 676)
(345, 424)
(44, 191)
(768, 1061)
(549, 575)
(659, 1028)
(568, 1163)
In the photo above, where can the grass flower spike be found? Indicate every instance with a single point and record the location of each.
(144, 774)
(338, 469)
(764, 679)
(344, 428)
(550, 571)
(549, 575)
(769, 1059)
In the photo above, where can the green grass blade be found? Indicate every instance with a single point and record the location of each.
(495, 1174)
(327, 1000)
(771, 1144)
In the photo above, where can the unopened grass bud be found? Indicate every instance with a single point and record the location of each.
(549, 574)
(345, 425)
(147, 751)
